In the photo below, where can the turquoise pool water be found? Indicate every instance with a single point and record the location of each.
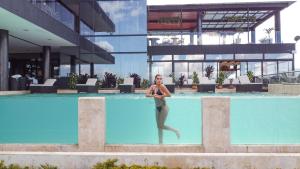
(130, 119)
(265, 120)
(38, 119)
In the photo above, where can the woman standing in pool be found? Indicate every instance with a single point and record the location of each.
(159, 92)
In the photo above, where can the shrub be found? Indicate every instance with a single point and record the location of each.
(145, 83)
(109, 81)
(250, 76)
(221, 78)
(73, 80)
(136, 80)
(120, 80)
(47, 166)
(172, 75)
(195, 78)
(209, 70)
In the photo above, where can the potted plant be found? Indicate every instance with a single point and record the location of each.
(120, 81)
(208, 71)
(220, 80)
(72, 80)
(181, 80)
(268, 39)
(109, 81)
(172, 76)
(238, 40)
(195, 80)
(145, 83)
(136, 80)
(250, 76)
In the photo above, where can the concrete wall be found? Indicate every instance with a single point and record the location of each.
(218, 161)
(290, 89)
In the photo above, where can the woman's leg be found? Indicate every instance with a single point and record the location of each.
(160, 130)
(162, 116)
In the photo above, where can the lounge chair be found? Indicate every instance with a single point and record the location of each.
(88, 87)
(48, 87)
(168, 82)
(206, 85)
(127, 86)
(246, 86)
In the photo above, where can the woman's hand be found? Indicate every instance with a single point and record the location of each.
(158, 96)
(149, 91)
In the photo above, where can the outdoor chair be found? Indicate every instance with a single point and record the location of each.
(246, 86)
(127, 86)
(89, 87)
(48, 87)
(206, 85)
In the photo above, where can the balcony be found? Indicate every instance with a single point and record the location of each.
(57, 11)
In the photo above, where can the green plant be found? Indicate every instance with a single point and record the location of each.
(136, 79)
(47, 166)
(250, 76)
(13, 166)
(181, 80)
(109, 81)
(195, 78)
(172, 75)
(209, 70)
(120, 80)
(145, 83)
(221, 78)
(268, 31)
(73, 79)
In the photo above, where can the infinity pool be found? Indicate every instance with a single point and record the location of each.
(130, 119)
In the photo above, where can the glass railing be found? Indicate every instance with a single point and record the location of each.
(56, 10)
(284, 77)
(206, 38)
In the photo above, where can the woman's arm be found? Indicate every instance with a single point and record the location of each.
(165, 91)
(149, 92)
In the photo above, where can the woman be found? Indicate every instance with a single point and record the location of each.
(159, 92)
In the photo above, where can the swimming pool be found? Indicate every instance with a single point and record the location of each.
(130, 119)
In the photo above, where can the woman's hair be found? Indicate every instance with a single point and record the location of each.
(156, 77)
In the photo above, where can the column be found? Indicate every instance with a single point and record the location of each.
(216, 124)
(91, 123)
(173, 65)
(253, 34)
(199, 28)
(46, 57)
(4, 60)
(92, 69)
(150, 69)
(277, 27)
(73, 64)
(191, 38)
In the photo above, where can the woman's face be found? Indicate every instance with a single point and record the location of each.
(158, 80)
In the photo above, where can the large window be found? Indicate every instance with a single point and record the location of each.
(124, 65)
(56, 10)
(255, 67)
(249, 56)
(219, 56)
(270, 68)
(128, 43)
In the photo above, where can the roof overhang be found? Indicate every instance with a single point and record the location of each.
(27, 22)
(215, 16)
